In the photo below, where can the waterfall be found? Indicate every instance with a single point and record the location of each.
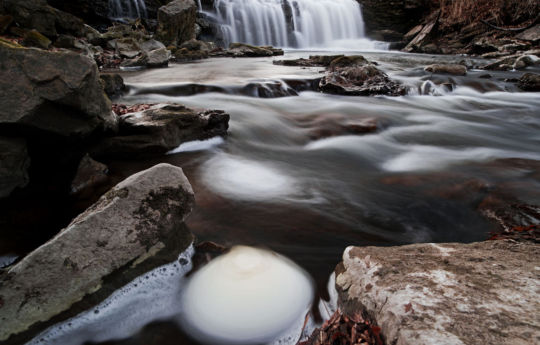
(289, 23)
(127, 8)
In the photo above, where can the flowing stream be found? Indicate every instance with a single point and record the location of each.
(296, 176)
(289, 23)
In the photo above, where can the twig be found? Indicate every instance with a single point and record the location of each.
(511, 29)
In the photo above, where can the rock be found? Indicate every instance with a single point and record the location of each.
(355, 76)
(454, 69)
(14, 163)
(95, 12)
(484, 45)
(176, 22)
(247, 50)
(531, 34)
(125, 228)
(479, 293)
(387, 35)
(185, 55)
(331, 125)
(90, 174)
(161, 129)
(126, 47)
(5, 22)
(422, 37)
(61, 92)
(525, 61)
(65, 41)
(502, 64)
(113, 84)
(33, 38)
(38, 15)
(150, 45)
(158, 58)
(313, 61)
(529, 82)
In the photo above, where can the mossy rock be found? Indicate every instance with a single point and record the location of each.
(35, 39)
(349, 61)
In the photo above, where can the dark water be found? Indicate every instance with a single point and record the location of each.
(293, 177)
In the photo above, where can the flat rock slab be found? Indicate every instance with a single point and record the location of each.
(479, 293)
(127, 226)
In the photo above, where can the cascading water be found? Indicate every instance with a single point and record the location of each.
(127, 8)
(289, 23)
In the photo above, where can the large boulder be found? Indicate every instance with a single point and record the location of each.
(56, 92)
(176, 22)
(161, 129)
(355, 76)
(38, 15)
(479, 293)
(14, 163)
(125, 228)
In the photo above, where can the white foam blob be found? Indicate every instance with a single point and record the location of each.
(246, 296)
(246, 179)
(198, 145)
(152, 296)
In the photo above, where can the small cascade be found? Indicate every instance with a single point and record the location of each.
(289, 23)
(127, 9)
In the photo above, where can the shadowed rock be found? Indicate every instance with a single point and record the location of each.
(56, 92)
(124, 229)
(479, 293)
(14, 163)
(176, 22)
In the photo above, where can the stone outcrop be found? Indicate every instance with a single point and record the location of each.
(355, 76)
(56, 92)
(160, 129)
(125, 228)
(445, 293)
(176, 22)
(14, 164)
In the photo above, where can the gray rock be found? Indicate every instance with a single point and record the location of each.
(176, 22)
(531, 34)
(526, 61)
(480, 293)
(61, 92)
(422, 37)
(125, 228)
(158, 58)
(247, 50)
(454, 69)
(150, 45)
(160, 129)
(14, 163)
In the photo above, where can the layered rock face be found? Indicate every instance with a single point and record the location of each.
(125, 228)
(56, 92)
(392, 15)
(479, 293)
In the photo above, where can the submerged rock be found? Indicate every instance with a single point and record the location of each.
(454, 69)
(61, 92)
(445, 293)
(529, 82)
(125, 228)
(14, 164)
(176, 22)
(162, 128)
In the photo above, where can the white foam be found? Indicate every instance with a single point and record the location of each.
(240, 178)
(152, 296)
(198, 145)
(247, 296)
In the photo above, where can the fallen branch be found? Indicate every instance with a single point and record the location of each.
(511, 29)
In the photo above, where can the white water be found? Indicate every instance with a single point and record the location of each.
(127, 8)
(312, 23)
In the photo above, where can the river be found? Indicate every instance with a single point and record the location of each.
(297, 174)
